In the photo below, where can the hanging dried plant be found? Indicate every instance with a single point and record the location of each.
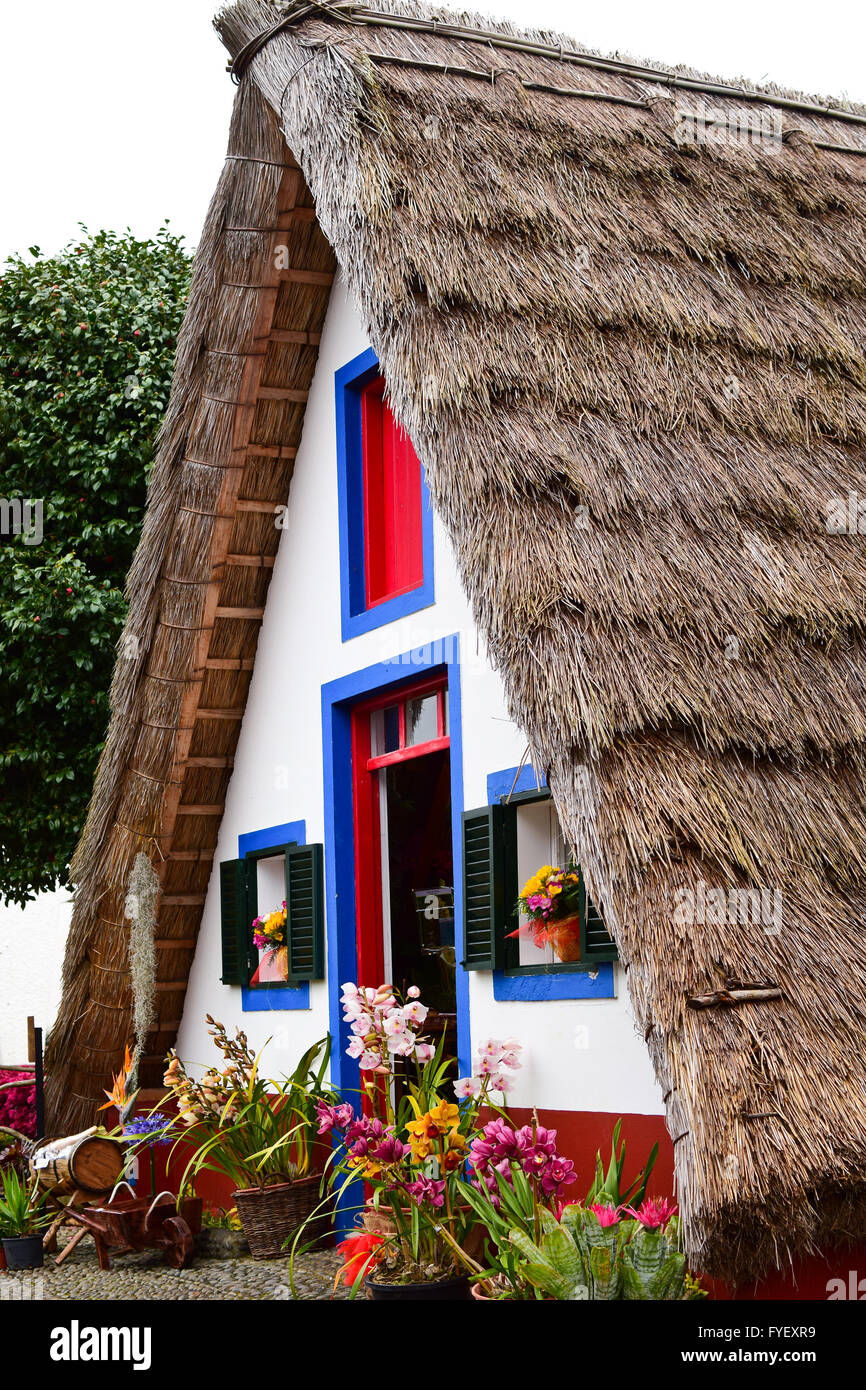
(140, 911)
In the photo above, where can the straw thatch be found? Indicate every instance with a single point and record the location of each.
(634, 370)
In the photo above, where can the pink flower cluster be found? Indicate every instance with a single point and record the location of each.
(367, 1141)
(653, 1212)
(494, 1063)
(382, 1028)
(371, 1146)
(540, 902)
(423, 1189)
(18, 1104)
(534, 1148)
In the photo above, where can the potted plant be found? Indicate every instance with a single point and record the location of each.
(23, 1218)
(544, 1248)
(258, 1132)
(408, 1152)
(599, 1253)
(551, 901)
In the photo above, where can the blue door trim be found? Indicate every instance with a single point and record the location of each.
(338, 697)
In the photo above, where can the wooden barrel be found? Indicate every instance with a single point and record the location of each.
(90, 1163)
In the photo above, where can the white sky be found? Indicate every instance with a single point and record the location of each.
(116, 114)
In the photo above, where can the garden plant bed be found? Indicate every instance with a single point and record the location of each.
(145, 1276)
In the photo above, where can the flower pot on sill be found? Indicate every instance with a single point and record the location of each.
(565, 939)
(437, 1290)
(23, 1252)
(271, 1215)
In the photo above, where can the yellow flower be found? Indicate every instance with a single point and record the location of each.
(421, 1147)
(368, 1168)
(424, 1131)
(445, 1116)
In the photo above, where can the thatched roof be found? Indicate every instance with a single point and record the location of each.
(635, 371)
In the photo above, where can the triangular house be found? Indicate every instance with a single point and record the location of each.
(620, 313)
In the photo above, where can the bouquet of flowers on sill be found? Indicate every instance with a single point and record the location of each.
(269, 930)
(551, 900)
(411, 1151)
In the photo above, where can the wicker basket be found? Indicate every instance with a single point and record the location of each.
(270, 1215)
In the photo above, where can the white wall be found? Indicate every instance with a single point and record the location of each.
(579, 1055)
(32, 940)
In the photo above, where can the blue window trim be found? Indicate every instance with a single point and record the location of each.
(280, 997)
(355, 616)
(559, 984)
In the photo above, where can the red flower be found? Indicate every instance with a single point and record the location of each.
(359, 1253)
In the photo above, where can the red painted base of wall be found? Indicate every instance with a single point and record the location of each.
(581, 1134)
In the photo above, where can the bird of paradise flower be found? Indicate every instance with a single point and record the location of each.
(120, 1095)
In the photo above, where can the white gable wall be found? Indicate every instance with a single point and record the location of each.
(581, 1055)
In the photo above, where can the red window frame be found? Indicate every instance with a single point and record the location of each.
(393, 502)
(368, 842)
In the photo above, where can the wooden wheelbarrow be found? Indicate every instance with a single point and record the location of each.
(144, 1223)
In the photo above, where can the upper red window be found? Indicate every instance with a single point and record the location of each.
(393, 529)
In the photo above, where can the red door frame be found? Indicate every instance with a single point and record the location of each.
(368, 840)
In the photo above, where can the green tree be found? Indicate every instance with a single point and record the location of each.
(87, 344)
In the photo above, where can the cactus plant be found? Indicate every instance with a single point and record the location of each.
(579, 1258)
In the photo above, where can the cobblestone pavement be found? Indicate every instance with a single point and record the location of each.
(144, 1276)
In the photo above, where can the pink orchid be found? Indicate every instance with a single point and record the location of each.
(416, 1012)
(466, 1088)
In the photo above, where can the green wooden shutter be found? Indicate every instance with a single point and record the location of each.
(305, 919)
(596, 942)
(484, 909)
(235, 922)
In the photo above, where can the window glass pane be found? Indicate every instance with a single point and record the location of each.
(385, 730)
(539, 842)
(421, 721)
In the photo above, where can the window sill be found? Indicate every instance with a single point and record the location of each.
(389, 610)
(533, 983)
(263, 998)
